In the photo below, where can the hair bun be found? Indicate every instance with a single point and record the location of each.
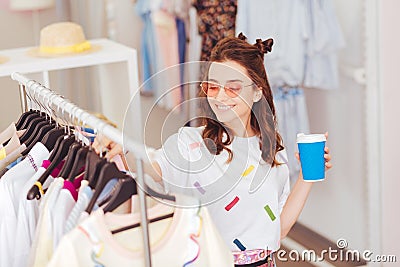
(264, 46)
(242, 37)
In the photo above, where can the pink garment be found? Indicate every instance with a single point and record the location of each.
(71, 188)
(167, 42)
(46, 163)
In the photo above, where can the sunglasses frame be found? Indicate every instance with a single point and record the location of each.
(227, 91)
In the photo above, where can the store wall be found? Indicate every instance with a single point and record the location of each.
(18, 29)
(390, 110)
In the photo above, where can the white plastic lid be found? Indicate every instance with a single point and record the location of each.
(310, 138)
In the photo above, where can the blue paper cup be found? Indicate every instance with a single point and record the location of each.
(311, 148)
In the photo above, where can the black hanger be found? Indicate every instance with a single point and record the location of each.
(138, 224)
(38, 136)
(60, 150)
(108, 172)
(31, 128)
(93, 166)
(59, 153)
(35, 114)
(66, 169)
(79, 163)
(125, 189)
(51, 138)
(22, 119)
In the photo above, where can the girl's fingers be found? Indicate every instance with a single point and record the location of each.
(327, 157)
(328, 165)
(326, 150)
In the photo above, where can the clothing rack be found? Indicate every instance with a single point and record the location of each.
(69, 112)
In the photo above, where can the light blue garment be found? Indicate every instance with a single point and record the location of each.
(325, 40)
(12, 164)
(291, 111)
(149, 52)
(307, 38)
(284, 22)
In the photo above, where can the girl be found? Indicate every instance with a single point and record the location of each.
(236, 160)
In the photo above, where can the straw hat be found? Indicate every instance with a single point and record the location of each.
(62, 39)
(3, 59)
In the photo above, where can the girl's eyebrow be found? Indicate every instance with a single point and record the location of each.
(233, 80)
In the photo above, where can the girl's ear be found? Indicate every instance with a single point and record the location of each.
(257, 96)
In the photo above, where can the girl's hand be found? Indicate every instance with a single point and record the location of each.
(327, 156)
(103, 144)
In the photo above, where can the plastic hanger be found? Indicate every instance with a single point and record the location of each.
(78, 164)
(60, 151)
(152, 193)
(51, 138)
(31, 128)
(116, 231)
(125, 189)
(23, 118)
(66, 169)
(93, 166)
(35, 114)
(108, 172)
(37, 137)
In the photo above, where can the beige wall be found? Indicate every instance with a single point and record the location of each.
(17, 29)
(390, 58)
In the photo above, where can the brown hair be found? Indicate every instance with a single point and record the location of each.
(263, 119)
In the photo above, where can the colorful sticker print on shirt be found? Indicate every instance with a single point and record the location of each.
(194, 145)
(198, 186)
(233, 203)
(248, 171)
(239, 244)
(270, 213)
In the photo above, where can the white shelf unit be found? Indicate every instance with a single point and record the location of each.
(117, 73)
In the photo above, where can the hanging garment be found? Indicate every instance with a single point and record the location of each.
(11, 157)
(291, 111)
(247, 185)
(42, 247)
(168, 93)
(307, 38)
(324, 42)
(149, 53)
(11, 185)
(284, 22)
(28, 214)
(189, 232)
(216, 20)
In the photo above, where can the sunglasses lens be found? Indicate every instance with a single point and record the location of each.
(210, 89)
(233, 89)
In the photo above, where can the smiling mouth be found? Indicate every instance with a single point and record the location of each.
(224, 107)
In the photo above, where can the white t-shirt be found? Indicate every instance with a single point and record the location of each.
(244, 197)
(42, 247)
(28, 215)
(11, 186)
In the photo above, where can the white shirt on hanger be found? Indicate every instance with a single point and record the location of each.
(11, 185)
